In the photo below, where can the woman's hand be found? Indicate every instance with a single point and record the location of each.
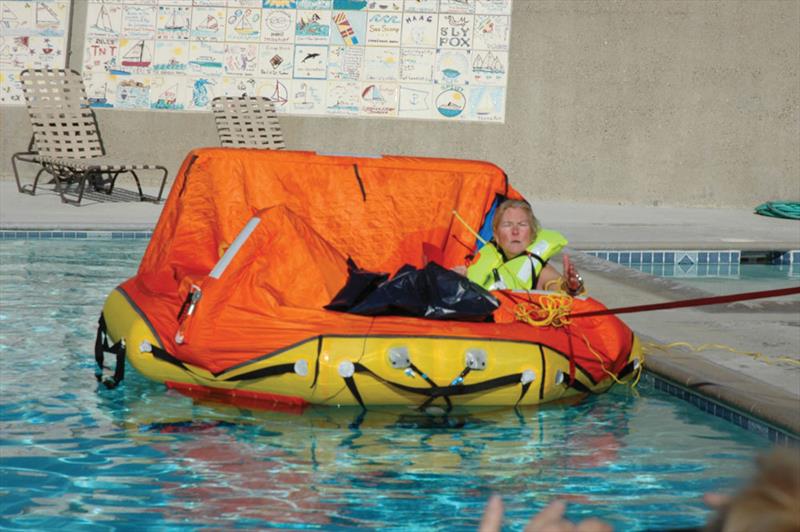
(572, 280)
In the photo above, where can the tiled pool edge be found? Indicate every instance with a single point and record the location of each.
(721, 410)
(69, 234)
(688, 257)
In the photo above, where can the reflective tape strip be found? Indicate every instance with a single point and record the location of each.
(231, 252)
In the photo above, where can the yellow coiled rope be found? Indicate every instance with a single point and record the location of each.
(597, 355)
(551, 311)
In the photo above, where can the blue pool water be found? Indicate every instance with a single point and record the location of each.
(728, 278)
(77, 456)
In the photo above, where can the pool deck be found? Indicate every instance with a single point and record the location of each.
(763, 383)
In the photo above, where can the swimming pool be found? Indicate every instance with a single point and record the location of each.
(75, 455)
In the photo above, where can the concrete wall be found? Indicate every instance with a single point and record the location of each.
(692, 103)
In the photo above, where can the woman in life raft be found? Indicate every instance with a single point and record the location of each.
(516, 258)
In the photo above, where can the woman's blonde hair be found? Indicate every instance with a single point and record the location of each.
(515, 204)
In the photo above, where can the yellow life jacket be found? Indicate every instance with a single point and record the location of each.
(520, 273)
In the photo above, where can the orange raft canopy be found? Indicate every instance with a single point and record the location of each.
(252, 244)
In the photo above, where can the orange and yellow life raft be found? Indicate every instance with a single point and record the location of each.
(251, 245)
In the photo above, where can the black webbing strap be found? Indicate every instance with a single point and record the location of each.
(578, 385)
(101, 347)
(442, 391)
(351, 385)
(460, 379)
(360, 183)
(164, 356)
(432, 384)
(186, 175)
(316, 364)
(270, 371)
(523, 392)
(279, 369)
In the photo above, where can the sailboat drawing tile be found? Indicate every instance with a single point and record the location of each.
(168, 93)
(208, 24)
(243, 24)
(486, 103)
(17, 18)
(103, 20)
(135, 56)
(174, 23)
(489, 68)
(379, 99)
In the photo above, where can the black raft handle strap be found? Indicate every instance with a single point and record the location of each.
(101, 347)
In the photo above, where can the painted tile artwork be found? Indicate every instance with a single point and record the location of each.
(417, 59)
(33, 34)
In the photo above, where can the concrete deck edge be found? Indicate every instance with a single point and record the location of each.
(735, 390)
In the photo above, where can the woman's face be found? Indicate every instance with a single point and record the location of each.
(514, 232)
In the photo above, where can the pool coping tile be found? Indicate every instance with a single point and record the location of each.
(66, 234)
(724, 393)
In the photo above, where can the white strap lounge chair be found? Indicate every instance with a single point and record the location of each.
(247, 123)
(66, 140)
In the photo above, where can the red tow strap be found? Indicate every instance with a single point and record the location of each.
(698, 302)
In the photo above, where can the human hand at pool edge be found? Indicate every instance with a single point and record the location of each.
(550, 519)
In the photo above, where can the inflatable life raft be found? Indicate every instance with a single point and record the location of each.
(252, 244)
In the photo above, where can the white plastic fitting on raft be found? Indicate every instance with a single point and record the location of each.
(178, 337)
(475, 359)
(559, 377)
(145, 347)
(346, 369)
(527, 376)
(398, 357)
(301, 367)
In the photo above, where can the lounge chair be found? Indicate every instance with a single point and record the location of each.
(247, 122)
(66, 140)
